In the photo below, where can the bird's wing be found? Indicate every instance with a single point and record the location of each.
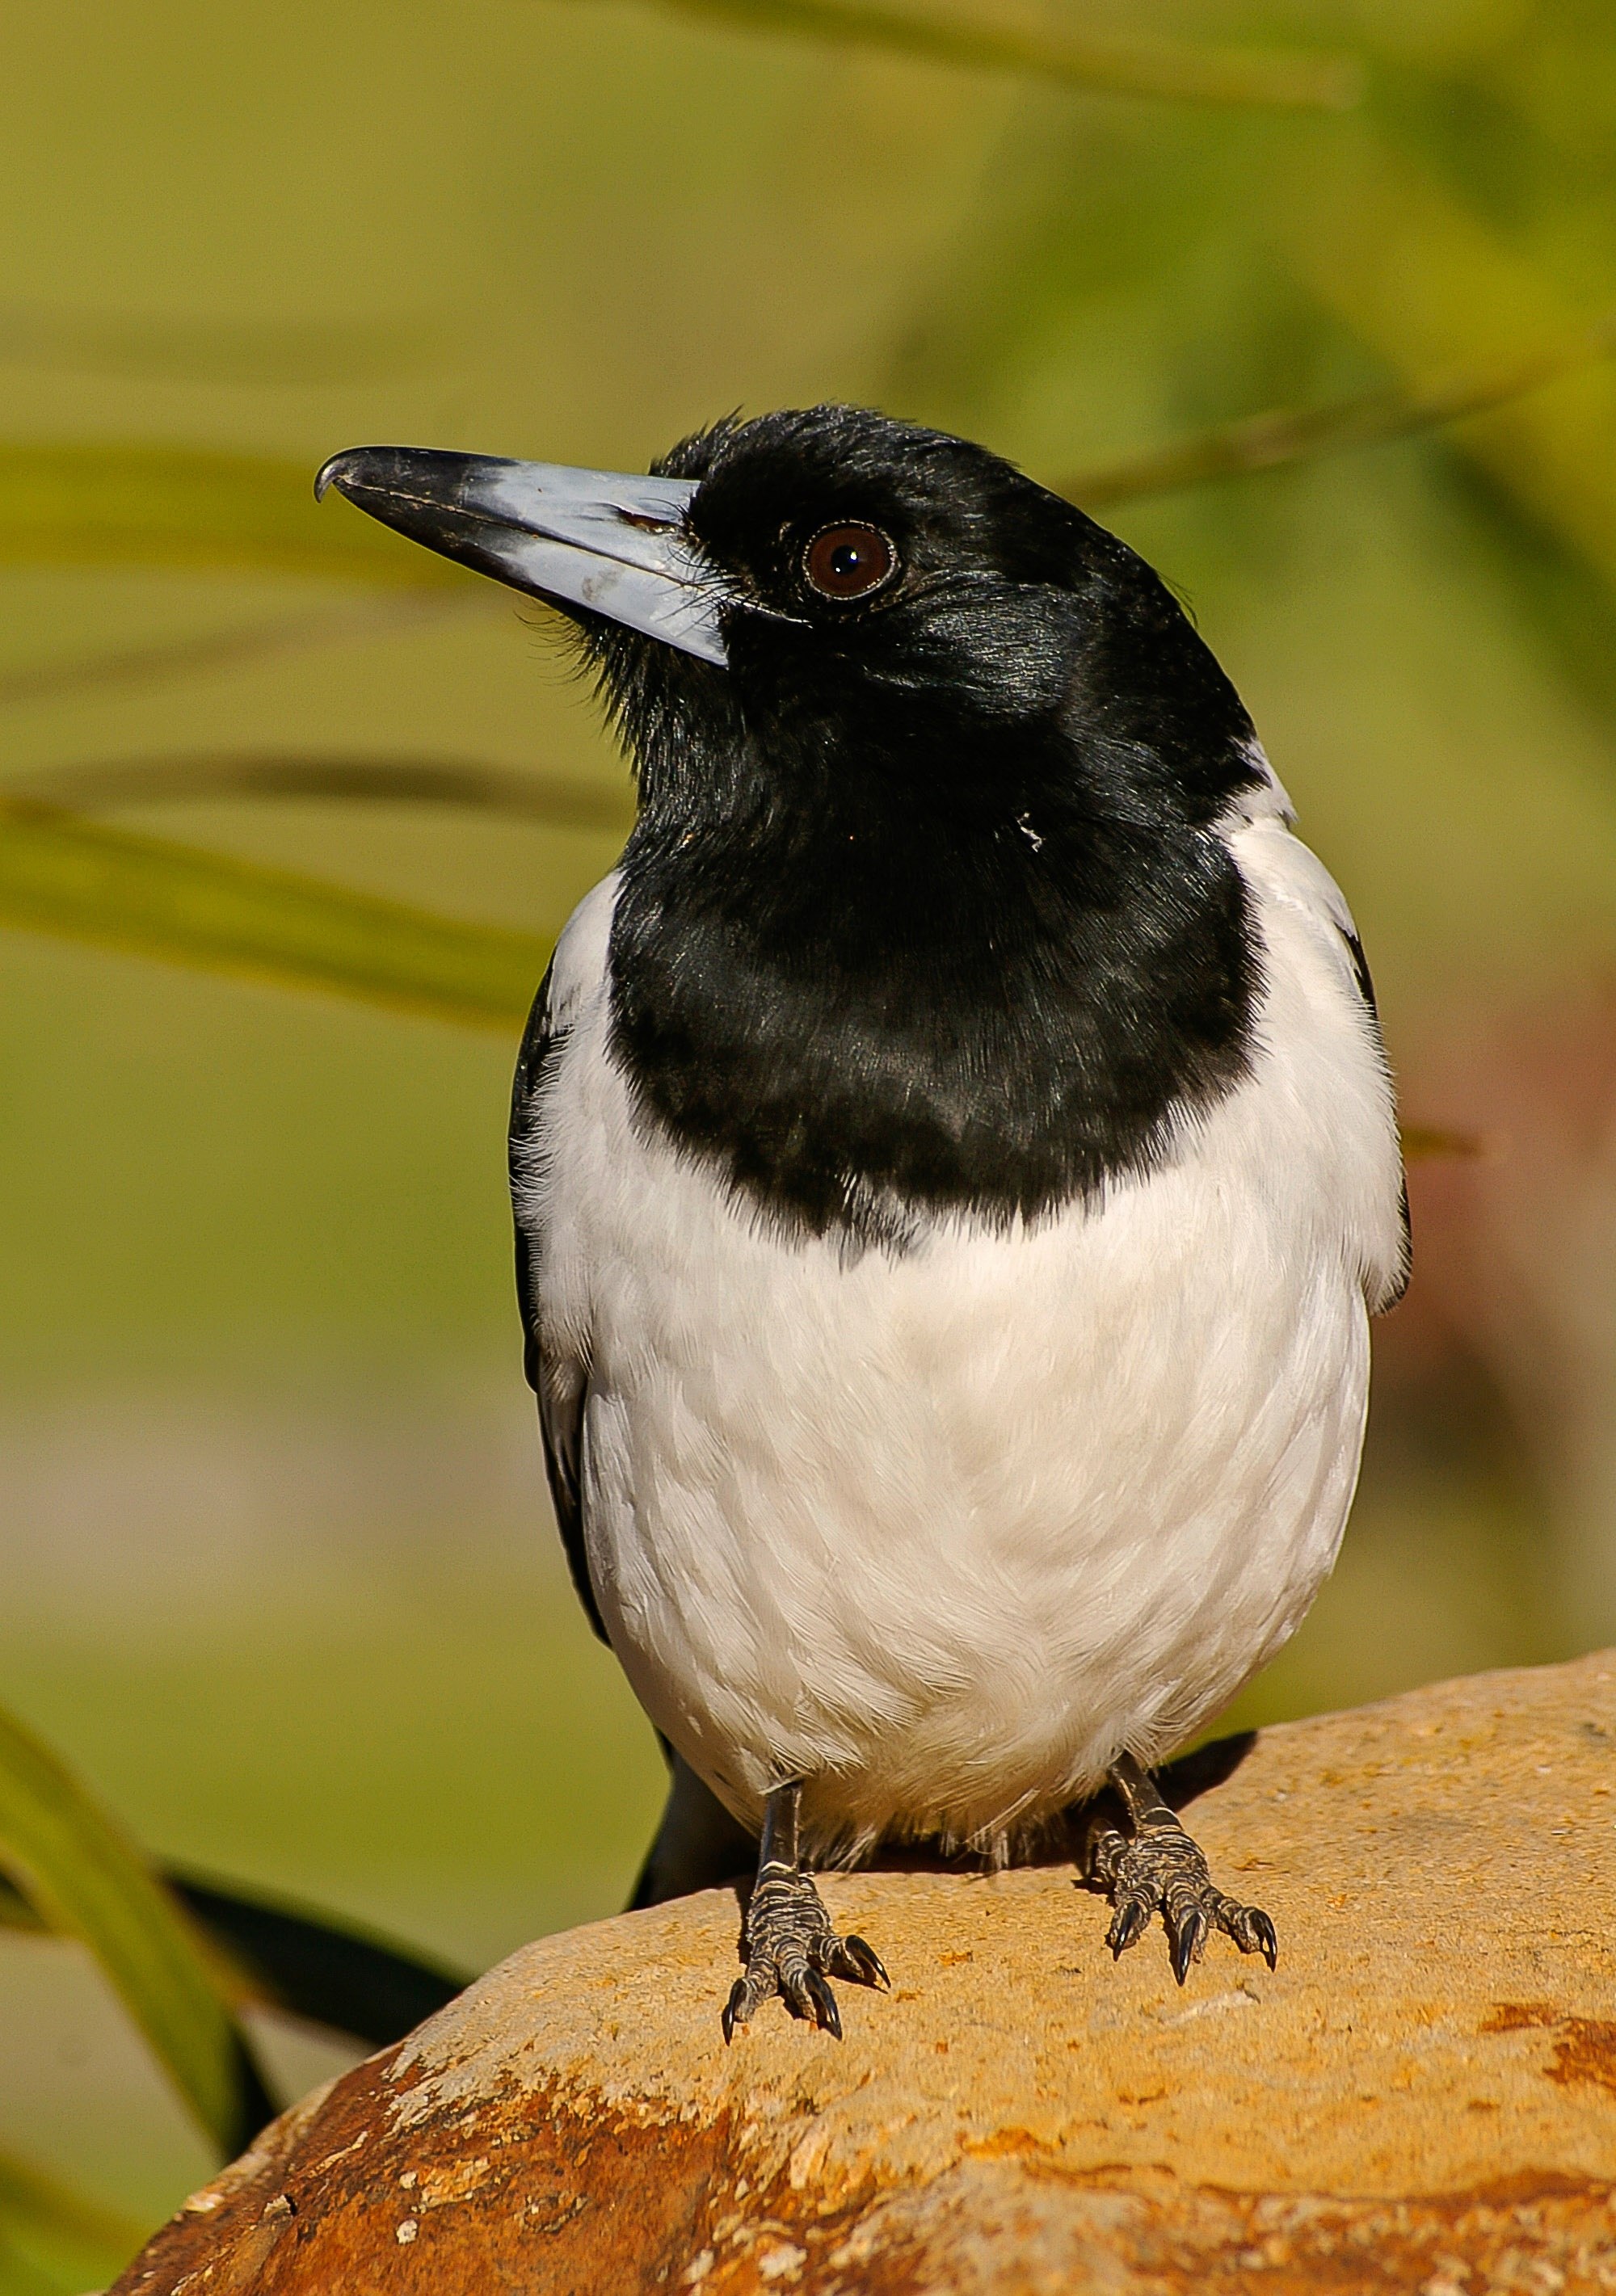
(562, 1389)
(1293, 873)
(1397, 1281)
(1332, 903)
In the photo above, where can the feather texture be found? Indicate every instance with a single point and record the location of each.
(942, 1531)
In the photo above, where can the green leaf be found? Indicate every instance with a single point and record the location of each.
(89, 1882)
(67, 678)
(20, 2276)
(557, 802)
(311, 1965)
(78, 880)
(295, 352)
(1263, 442)
(52, 2236)
(1421, 277)
(15, 1911)
(1115, 63)
(71, 878)
(175, 506)
(304, 1964)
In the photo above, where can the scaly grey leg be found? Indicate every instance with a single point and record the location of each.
(1156, 1868)
(790, 1948)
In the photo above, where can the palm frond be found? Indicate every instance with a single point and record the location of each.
(1427, 282)
(83, 881)
(1265, 442)
(295, 353)
(1045, 47)
(83, 502)
(304, 1964)
(311, 1965)
(87, 1881)
(119, 667)
(556, 800)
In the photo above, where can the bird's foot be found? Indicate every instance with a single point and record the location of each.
(792, 1950)
(1161, 1870)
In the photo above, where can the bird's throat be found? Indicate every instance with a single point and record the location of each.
(876, 1027)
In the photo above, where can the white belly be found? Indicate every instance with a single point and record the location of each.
(941, 1533)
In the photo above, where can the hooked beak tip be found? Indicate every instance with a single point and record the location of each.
(330, 474)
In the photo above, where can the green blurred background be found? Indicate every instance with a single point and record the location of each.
(279, 1577)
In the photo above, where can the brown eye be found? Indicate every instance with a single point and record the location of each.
(846, 561)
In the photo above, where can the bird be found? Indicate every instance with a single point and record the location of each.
(954, 1163)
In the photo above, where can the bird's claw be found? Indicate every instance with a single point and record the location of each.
(1161, 1870)
(792, 1950)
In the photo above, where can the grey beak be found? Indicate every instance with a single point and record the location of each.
(596, 538)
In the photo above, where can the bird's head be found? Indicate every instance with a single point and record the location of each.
(829, 611)
(926, 908)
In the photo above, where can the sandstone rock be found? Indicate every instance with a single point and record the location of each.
(1423, 2095)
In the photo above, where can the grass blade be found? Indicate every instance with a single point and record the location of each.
(558, 802)
(124, 666)
(1112, 63)
(1423, 279)
(88, 1882)
(60, 2235)
(307, 1964)
(296, 353)
(15, 1911)
(1263, 442)
(175, 506)
(80, 881)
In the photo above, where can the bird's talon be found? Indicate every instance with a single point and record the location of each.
(1186, 1942)
(1161, 1870)
(737, 2009)
(792, 1950)
(866, 1966)
(826, 2014)
(1127, 1925)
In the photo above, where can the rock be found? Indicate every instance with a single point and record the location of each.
(1423, 2095)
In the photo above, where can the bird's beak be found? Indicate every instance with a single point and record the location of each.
(593, 538)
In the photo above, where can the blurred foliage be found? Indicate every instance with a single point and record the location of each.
(155, 506)
(52, 2236)
(364, 781)
(1266, 442)
(85, 1880)
(61, 876)
(1057, 47)
(1355, 263)
(252, 351)
(183, 1956)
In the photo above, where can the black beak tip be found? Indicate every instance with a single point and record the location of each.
(333, 473)
(360, 471)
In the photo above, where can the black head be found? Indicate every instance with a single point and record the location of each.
(906, 616)
(926, 912)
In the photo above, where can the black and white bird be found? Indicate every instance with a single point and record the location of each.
(953, 1159)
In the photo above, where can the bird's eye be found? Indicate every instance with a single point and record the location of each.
(848, 562)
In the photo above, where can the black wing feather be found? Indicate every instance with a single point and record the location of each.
(561, 1423)
(1365, 989)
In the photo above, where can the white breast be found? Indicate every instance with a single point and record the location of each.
(941, 1533)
